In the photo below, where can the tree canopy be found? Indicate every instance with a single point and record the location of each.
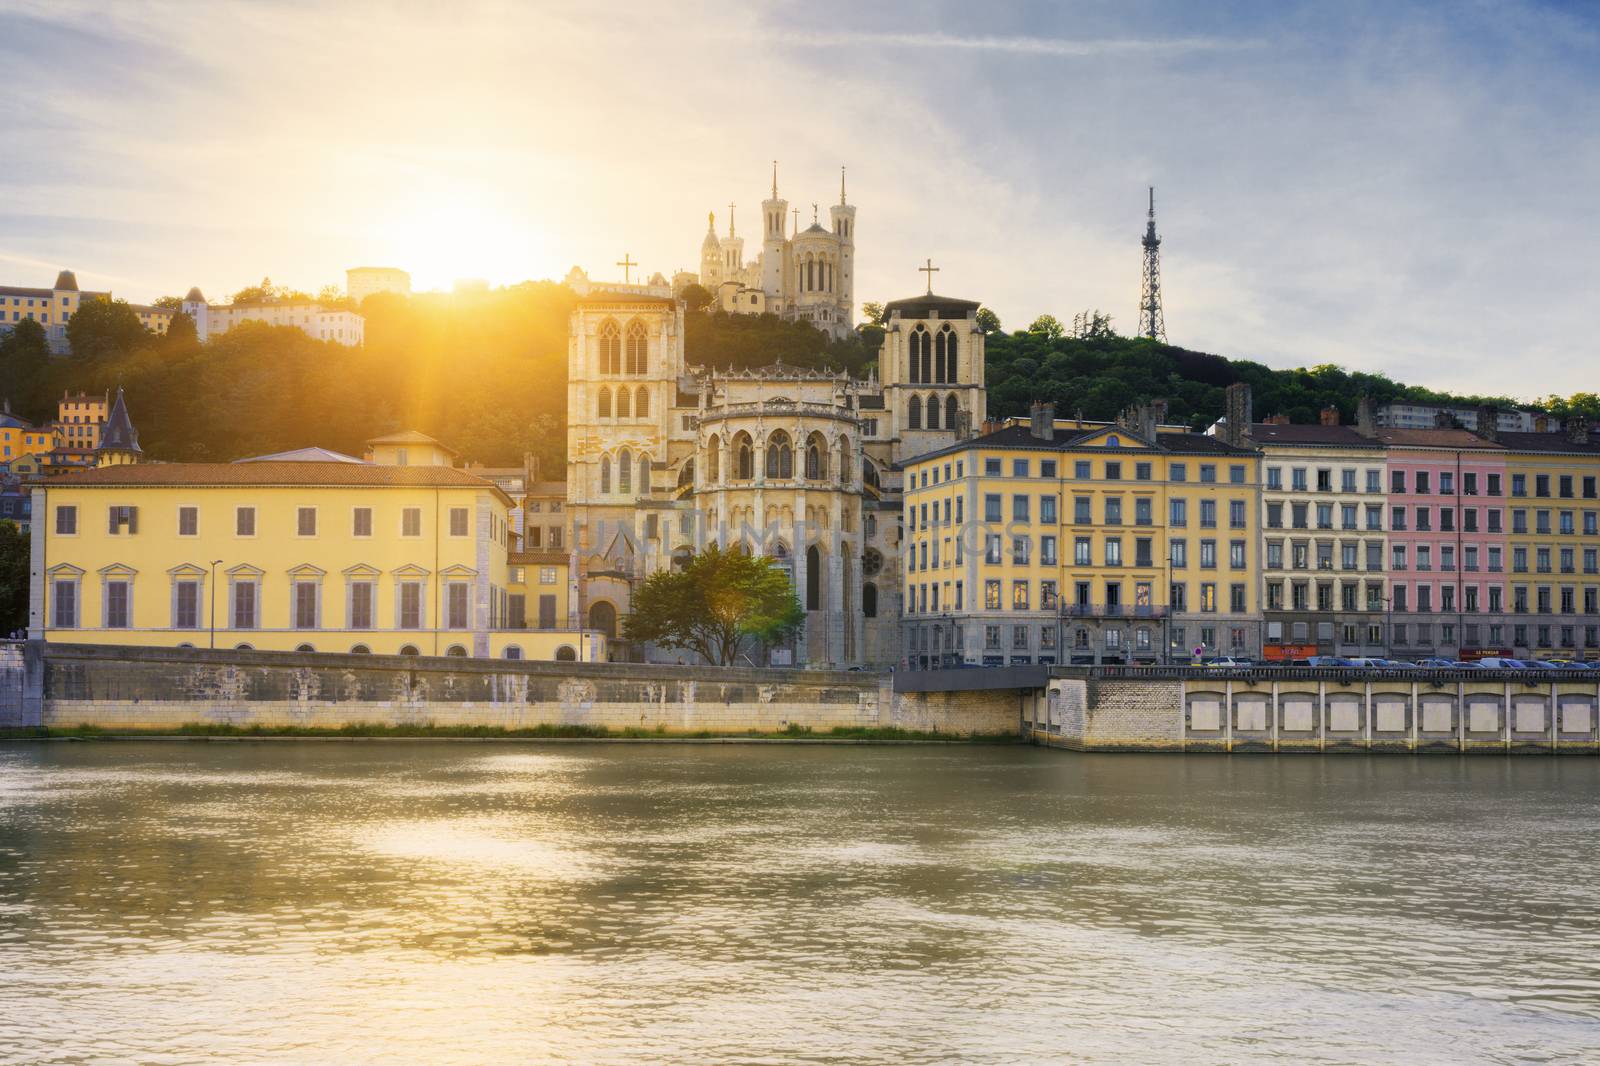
(101, 328)
(714, 605)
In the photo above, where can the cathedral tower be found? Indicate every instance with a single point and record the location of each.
(932, 364)
(774, 214)
(843, 214)
(711, 256)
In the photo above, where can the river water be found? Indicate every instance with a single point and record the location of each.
(306, 902)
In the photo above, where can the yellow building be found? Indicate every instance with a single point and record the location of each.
(286, 555)
(53, 307)
(79, 419)
(19, 438)
(1552, 542)
(1052, 541)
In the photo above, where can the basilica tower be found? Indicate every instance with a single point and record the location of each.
(711, 256)
(843, 215)
(774, 213)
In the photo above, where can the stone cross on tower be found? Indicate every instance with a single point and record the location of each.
(627, 264)
(929, 270)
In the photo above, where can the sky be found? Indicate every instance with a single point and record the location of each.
(1390, 186)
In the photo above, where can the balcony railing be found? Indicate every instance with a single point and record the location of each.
(1114, 610)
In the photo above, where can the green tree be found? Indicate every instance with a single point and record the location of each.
(873, 312)
(181, 332)
(168, 303)
(101, 328)
(266, 292)
(988, 321)
(716, 603)
(13, 577)
(1047, 326)
(695, 297)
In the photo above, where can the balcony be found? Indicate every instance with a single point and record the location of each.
(1113, 610)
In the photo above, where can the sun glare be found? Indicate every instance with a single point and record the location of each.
(461, 235)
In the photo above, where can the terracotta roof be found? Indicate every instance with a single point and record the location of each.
(1546, 442)
(277, 475)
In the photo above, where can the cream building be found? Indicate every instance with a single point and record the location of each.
(802, 275)
(361, 282)
(664, 458)
(324, 324)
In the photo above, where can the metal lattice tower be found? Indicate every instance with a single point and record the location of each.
(1152, 323)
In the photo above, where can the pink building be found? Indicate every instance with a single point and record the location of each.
(1447, 544)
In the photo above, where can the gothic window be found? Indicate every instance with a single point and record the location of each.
(637, 347)
(746, 458)
(605, 475)
(610, 348)
(813, 465)
(927, 356)
(869, 472)
(811, 273)
(622, 403)
(641, 403)
(938, 357)
(714, 459)
(948, 335)
(950, 409)
(604, 409)
(816, 457)
(869, 600)
(844, 460)
(813, 579)
(914, 413)
(914, 360)
(933, 411)
(644, 475)
(624, 473)
(780, 456)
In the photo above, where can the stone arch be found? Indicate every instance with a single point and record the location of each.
(914, 413)
(605, 475)
(780, 455)
(409, 649)
(813, 578)
(744, 457)
(816, 457)
(952, 410)
(641, 403)
(566, 654)
(644, 474)
(623, 398)
(914, 352)
(360, 649)
(603, 616)
(304, 647)
(456, 651)
(603, 405)
(714, 460)
(625, 473)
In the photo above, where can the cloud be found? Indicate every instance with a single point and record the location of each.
(1041, 46)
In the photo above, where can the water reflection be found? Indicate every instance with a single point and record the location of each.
(587, 903)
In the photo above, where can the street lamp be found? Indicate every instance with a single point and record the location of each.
(214, 564)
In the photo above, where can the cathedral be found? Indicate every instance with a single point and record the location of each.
(665, 457)
(800, 275)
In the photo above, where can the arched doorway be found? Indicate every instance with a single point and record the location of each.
(565, 654)
(603, 616)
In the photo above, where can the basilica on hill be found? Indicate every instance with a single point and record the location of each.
(665, 457)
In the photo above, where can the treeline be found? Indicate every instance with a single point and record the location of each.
(485, 372)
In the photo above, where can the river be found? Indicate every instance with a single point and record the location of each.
(390, 902)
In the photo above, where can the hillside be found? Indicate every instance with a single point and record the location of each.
(484, 373)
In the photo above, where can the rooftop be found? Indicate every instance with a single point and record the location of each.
(924, 306)
(286, 474)
(1346, 436)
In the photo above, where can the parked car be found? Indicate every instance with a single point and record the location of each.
(1436, 663)
(1466, 664)
(1299, 662)
(1328, 660)
(1497, 663)
(1228, 662)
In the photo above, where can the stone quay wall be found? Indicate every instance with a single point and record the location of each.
(130, 688)
(1493, 712)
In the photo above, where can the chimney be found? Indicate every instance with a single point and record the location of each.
(1158, 416)
(1366, 424)
(1328, 416)
(1042, 420)
(1236, 404)
(1578, 429)
(1488, 423)
(1276, 420)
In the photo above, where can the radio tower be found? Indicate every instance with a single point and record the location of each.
(1151, 322)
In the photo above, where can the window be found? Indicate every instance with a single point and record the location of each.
(1047, 468)
(1208, 514)
(305, 524)
(1047, 551)
(188, 521)
(458, 521)
(1178, 471)
(186, 605)
(1082, 549)
(118, 594)
(1019, 468)
(1141, 471)
(1113, 551)
(244, 522)
(1113, 510)
(361, 605)
(1208, 473)
(305, 605)
(1208, 596)
(991, 548)
(1113, 470)
(1236, 514)
(991, 507)
(991, 595)
(1178, 512)
(1236, 474)
(361, 522)
(244, 604)
(1422, 483)
(410, 605)
(66, 521)
(1019, 508)
(1236, 554)
(1141, 511)
(1208, 554)
(64, 597)
(1236, 600)
(1178, 548)
(1019, 595)
(1047, 509)
(123, 519)
(411, 522)
(1397, 481)
(456, 605)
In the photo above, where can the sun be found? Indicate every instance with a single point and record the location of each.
(461, 234)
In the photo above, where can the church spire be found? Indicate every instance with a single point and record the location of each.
(842, 200)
